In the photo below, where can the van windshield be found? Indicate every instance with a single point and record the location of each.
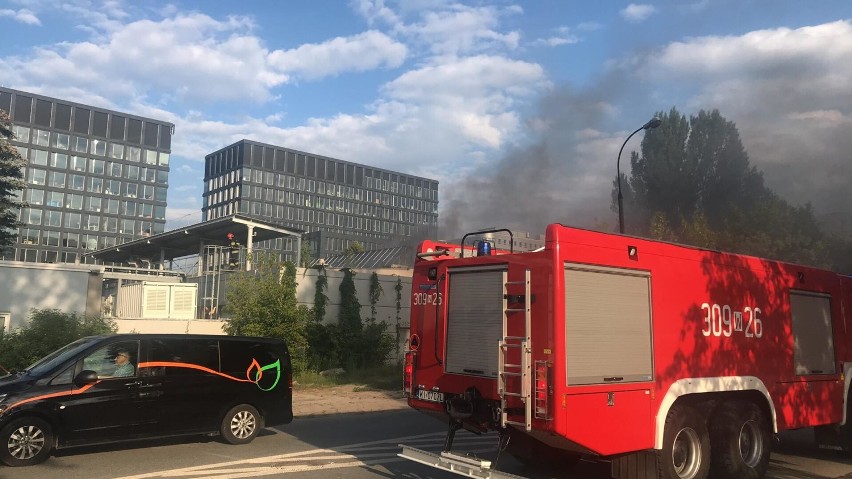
(59, 356)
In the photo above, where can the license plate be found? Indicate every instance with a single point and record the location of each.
(432, 396)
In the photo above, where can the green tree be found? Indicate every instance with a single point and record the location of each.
(321, 338)
(320, 298)
(693, 183)
(11, 181)
(263, 302)
(350, 309)
(376, 293)
(398, 289)
(46, 331)
(358, 345)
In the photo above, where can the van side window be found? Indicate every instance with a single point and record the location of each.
(114, 360)
(183, 356)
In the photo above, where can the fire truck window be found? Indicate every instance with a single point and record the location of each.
(813, 344)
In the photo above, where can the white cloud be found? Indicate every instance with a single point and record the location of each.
(637, 13)
(366, 51)
(555, 41)
(177, 216)
(462, 30)
(191, 58)
(23, 16)
(476, 94)
(444, 28)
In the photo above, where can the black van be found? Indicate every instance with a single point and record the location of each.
(131, 386)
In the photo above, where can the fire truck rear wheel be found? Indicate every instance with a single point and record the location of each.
(686, 445)
(740, 439)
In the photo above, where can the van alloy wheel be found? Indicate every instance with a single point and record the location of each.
(25, 441)
(241, 424)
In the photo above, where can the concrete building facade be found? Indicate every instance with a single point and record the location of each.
(94, 177)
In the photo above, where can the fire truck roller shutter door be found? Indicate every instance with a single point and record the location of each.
(474, 321)
(608, 325)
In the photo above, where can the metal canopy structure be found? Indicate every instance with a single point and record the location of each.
(191, 240)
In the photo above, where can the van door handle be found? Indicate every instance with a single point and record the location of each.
(134, 383)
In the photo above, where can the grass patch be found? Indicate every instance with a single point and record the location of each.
(383, 378)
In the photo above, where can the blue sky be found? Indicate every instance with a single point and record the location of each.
(518, 108)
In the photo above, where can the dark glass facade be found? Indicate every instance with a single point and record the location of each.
(336, 202)
(94, 178)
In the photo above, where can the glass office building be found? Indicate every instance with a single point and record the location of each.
(335, 202)
(94, 178)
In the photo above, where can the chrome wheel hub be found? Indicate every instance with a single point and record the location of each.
(26, 442)
(243, 424)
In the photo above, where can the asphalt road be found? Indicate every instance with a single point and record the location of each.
(356, 446)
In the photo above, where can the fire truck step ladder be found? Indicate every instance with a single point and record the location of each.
(515, 380)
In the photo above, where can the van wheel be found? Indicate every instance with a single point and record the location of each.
(686, 445)
(241, 424)
(740, 440)
(25, 442)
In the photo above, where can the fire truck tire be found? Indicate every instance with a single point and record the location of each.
(686, 445)
(740, 439)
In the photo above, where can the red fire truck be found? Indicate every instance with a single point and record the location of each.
(671, 361)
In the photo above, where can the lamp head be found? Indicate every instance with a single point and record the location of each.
(652, 123)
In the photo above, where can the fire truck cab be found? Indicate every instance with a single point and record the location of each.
(671, 361)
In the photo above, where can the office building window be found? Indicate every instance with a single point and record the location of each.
(41, 137)
(134, 153)
(96, 185)
(57, 179)
(59, 160)
(38, 157)
(61, 141)
(71, 240)
(96, 167)
(78, 163)
(93, 222)
(80, 144)
(30, 235)
(98, 147)
(116, 151)
(55, 199)
(21, 133)
(50, 238)
(72, 220)
(38, 176)
(112, 187)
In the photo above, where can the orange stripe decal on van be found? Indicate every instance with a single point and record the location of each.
(51, 395)
(169, 364)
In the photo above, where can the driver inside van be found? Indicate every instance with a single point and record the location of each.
(124, 368)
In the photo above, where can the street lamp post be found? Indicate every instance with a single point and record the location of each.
(652, 123)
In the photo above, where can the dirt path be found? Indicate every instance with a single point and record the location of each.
(348, 398)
